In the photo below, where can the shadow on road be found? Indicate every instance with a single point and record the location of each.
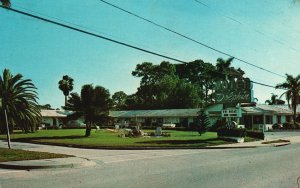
(212, 141)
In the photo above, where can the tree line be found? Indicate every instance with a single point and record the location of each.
(175, 86)
(162, 86)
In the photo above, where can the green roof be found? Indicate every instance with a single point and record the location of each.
(156, 113)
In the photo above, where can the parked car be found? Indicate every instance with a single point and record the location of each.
(75, 123)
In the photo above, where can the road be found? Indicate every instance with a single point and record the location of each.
(255, 167)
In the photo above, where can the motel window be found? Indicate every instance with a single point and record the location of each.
(269, 120)
(288, 118)
(257, 119)
(279, 119)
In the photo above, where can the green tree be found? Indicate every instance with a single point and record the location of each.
(274, 100)
(151, 93)
(19, 99)
(201, 75)
(93, 105)
(119, 100)
(225, 70)
(5, 3)
(292, 93)
(66, 86)
(203, 123)
(161, 87)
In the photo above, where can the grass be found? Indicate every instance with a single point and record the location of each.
(19, 155)
(104, 138)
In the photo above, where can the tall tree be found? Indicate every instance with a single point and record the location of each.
(274, 100)
(19, 100)
(119, 100)
(292, 93)
(93, 105)
(199, 74)
(66, 86)
(225, 69)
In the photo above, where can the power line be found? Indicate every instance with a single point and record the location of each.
(92, 34)
(266, 85)
(249, 26)
(92, 30)
(105, 38)
(189, 38)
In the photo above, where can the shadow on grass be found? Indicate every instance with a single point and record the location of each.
(211, 141)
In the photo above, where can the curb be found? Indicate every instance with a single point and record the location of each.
(11, 164)
(137, 147)
(32, 167)
(281, 144)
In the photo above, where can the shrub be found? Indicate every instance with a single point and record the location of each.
(276, 126)
(288, 125)
(232, 132)
(256, 134)
(219, 124)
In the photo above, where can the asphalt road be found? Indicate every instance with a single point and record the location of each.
(256, 167)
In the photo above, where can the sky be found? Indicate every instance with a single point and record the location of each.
(265, 33)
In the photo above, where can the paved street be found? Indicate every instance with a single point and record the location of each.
(259, 167)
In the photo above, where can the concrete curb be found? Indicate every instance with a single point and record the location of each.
(70, 162)
(281, 144)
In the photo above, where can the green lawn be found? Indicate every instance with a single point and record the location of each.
(17, 155)
(104, 138)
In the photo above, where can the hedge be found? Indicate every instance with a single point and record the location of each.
(241, 133)
(232, 132)
(256, 134)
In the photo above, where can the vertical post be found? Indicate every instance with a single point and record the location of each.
(7, 130)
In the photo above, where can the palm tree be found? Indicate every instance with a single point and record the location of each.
(5, 3)
(19, 100)
(93, 105)
(292, 93)
(224, 68)
(66, 86)
(274, 100)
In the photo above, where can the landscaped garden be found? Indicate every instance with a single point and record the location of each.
(110, 139)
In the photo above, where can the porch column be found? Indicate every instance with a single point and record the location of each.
(264, 121)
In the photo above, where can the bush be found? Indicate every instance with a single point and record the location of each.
(256, 134)
(232, 132)
(219, 124)
(288, 125)
(276, 126)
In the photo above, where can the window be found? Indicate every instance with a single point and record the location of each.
(269, 120)
(257, 119)
(279, 119)
(288, 118)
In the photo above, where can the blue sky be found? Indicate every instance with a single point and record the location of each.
(262, 32)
